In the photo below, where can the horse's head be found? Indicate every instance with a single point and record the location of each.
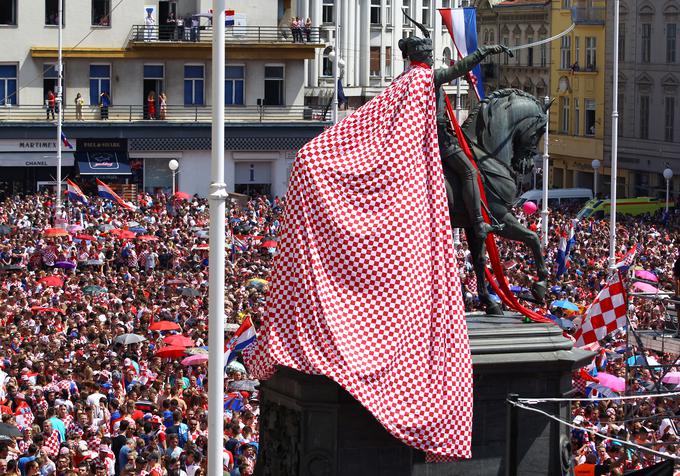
(509, 124)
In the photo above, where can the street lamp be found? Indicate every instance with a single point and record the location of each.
(668, 175)
(173, 165)
(596, 165)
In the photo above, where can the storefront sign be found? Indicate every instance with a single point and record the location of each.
(102, 145)
(33, 145)
(34, 160)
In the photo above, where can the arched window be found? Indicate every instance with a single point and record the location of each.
(492, 37)
(327, 64)
(447, 56)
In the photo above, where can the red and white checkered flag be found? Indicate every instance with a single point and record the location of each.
(606, 314)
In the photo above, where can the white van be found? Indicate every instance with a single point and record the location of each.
(556, 197)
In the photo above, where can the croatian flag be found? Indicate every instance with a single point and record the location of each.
(74, 192)
(629, 258)
(242, 338)
(462, 26)
(65, 141)
(229, 18)
(563, 251)
(105, 191)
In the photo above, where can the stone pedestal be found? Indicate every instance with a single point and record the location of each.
(311, 427)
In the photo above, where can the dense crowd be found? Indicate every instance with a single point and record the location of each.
(89, 386)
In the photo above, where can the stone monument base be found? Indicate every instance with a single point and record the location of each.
(309, 426)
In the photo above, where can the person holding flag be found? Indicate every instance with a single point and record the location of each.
(419, 53)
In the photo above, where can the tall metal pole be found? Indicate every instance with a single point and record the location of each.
(615, 137)
(58, 101)
(456, 231)
(174, 179)
(218, 196)
(668, 187)
(546, 174)
(336, 62)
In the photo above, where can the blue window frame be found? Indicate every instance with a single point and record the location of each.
(8, 84)
(233, 85)
(100, 81)
(154, 71)
(194, 84)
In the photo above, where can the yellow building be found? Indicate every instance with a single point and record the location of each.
(577, 84)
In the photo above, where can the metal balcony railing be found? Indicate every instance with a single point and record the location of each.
(173, 114)
(236, 34)
(588, 15)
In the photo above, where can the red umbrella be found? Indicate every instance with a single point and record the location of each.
(85, 237)
(164, 326)
(269, 244)
(203, 247)
(179, 340)
(182, 195)
(40, 310)
(122, 234)
(147, 238)
(55, 232)
(53, 280)
(171, 352)
(174, 282)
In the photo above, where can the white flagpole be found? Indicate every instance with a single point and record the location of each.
(615, 137)
(218, 196)
(456, 231)
(58, 101)
(336, 62)
(546, 174)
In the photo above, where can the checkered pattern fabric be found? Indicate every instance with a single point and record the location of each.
(51, 444)
(629, 258)
(365, 288)
(606, 314)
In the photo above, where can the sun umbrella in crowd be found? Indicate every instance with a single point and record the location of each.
(123, 234)
(197, 351)
(243, 385)
(645, 287)
(646, 275)
(618, 384)
(195, 360)
(106, 227)
(82, 237)
(179, 340)
(236, 367)
(182, 196)
(10, 431)
(127, 339)
(93, 262)
(672, 378)
(640, 360)
(564, 304)
(64, 265)
(53, 280)
(269, 244)
(54, 232)
(74, 228)
(597, 390)
(257, 283)
(147, 238)
(43, 310)
(164, 326)
(171, 352)
(137, 229)
(94, 289)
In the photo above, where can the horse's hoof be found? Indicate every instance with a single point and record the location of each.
(538, 291)
(493, 310)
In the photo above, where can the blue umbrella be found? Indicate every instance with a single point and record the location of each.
(494, 297)
(518, 289)
(564, 304)
(556, 289)
(138, 229)
(565, 324)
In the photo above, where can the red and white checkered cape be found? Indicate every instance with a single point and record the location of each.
(365, 289)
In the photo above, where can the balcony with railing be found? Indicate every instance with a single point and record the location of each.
(143, 34)
(172, 114)
(588, 15)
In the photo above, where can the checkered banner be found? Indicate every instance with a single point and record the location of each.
(606, 314)
(365, 288)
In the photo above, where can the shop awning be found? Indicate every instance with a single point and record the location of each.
(35, 159)
(103, 163)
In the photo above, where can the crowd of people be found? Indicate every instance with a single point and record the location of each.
(88, 397)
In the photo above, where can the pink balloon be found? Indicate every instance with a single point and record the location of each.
(529, 207)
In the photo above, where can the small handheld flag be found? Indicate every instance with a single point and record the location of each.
(244, 336)
(65, 141)
(74, 192)
(105, 191)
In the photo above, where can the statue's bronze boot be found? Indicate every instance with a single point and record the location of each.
(482, 228)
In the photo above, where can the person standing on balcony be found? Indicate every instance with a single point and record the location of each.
(171, 28)
(104, 103)
(162, 99)
(51, 101)
(308, 29)
(151, 105)
(79, 106)
(180, 28)
(149, 23)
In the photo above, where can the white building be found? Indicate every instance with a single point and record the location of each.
(110, 47)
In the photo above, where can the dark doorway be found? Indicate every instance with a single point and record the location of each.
(167, 28)
(155, 86)
(253, 189)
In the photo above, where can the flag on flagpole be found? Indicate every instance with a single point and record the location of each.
(564, 250)
(606, 314)
(244, 336)
(229, 18)
(74, 193)
(65, 141)
(105, 191)
(629, 258)
(462, 26)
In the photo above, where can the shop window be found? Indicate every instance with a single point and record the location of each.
(233, 85)
(101, 12)
(194, 84)
(8, 84)
(273, 86)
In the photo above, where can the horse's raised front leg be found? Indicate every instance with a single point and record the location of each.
(478, 254)
(515, 231)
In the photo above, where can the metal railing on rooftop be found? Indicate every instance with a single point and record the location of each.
(173, 113)
(236, 34)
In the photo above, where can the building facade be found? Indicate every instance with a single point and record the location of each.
(118, 61)
(649, 81)
(577, 86)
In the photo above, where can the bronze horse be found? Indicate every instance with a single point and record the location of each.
(503, 132)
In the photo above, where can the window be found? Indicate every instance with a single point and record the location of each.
(565, 52)
(8, 12)
(670, 118)
(426, 18)
(644, 117)
(492, 37)
(326, 63)
(577, 48)
(100, 81)
(506, 41)
(566, 3)
(406, 5)
(622, 42)
(50, 77)
(8, 84)
(577, 118)
(388, 12)
(388, 61)
(446, 4)
(273, 86)
(375, 61)
(590, 117)
(375, 12)
(234, 77)
(646, 43)
(564, 108)
(530, 52)
(518, 56)
(194, 84)
(327, 11)
(671, 39)
(52, 12)
(544, 54)
(591, 53)
(101, 12)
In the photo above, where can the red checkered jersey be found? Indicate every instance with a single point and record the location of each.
(365, 288)
(606, 314)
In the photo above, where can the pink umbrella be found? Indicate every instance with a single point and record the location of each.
(645, 287)
(197, 359)
(617, 384)
(672, 378)
(646, 275)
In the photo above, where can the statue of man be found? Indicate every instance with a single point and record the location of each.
(419, 52)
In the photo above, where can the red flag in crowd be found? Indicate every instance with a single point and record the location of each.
(606, 314)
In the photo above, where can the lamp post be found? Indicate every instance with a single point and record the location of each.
(546, 173)
(615, 137)
(58, 101)
(668, 175)
(173, 165)
(596, 165)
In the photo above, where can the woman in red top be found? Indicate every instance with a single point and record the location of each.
(151, 105)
